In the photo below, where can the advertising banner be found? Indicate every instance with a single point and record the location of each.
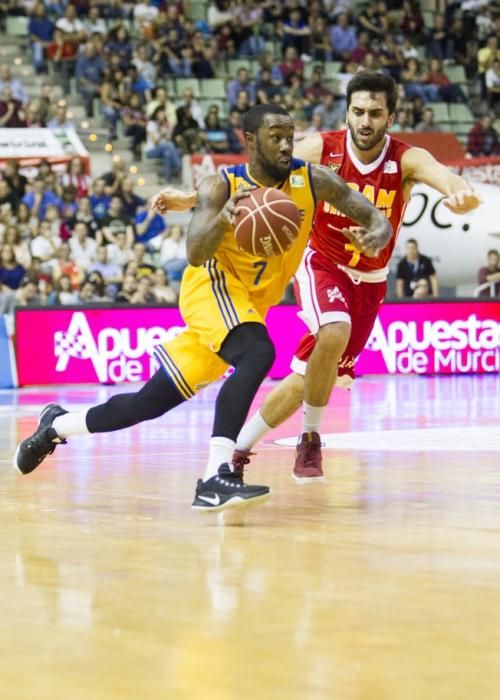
(108, 345)
(204, 165)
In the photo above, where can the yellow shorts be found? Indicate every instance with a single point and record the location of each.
(212, 303)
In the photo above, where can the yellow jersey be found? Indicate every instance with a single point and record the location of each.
(266, 278)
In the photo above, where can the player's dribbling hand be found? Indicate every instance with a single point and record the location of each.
(172, 199)
(228, 212)
(463, 201)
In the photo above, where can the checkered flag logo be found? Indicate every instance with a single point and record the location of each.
(71, 345)
(78, 343)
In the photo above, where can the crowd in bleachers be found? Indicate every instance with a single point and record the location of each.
(175, 79)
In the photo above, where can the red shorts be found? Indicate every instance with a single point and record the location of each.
(327, 294)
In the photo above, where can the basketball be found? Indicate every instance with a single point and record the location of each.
(267, 222)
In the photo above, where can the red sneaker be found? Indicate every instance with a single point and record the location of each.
(240, 459)
(307, 467)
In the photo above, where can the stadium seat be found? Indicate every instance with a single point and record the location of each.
(428, 16)
(441, 112)
(198, 10)
(214, 88)
(234, 64)
(17, 26)
(456, 74)
(461, 113)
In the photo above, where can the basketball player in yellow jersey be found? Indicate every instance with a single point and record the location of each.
(225, 294)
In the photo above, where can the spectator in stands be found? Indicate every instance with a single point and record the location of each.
(119, 252)
(110, 272)
(161, 99)
(63, 292)
(99, 199)
(44, 245)
(363, 48)
(218, 14)
(61, 53)
(17, 90)
(116, 221)
(113, 180)
(216, 134)
(75, 175)
(159, 144)
(34, 116)
(130, 200)
(343, 38)
(8, 195)
(113, 98)
(428, 123)
(40, 32)
(291, 63)
(21, 249)
(87, 293)
(320, 47)
(128, 289)
(413, 267)
(134, 120)
(187, 134)
(163, 292)
(63, 264)
(233, 124)
(332, 112)
(17, 181)
(89, 71)
(173, 256)
(439, 45)
(414, 82)
(60, 121)
(295, 32)
(241, 83)
(266, 88)
(148, 225)
(486, 57)
(144, 293)
(492, 81)
(483, 138)
(490, 273)
(27, 293)
(12, 114)
(142, 259)
(145, 67)
(94, 23)
(461, 46)
(119, 44)
(403, 122)
(26, 223)
(83, 248)
(194, 108)
(412, 21)
(447, 91)
(373, 19)
(11, 270)
(39, 198)
(266, 61)
(422, 289)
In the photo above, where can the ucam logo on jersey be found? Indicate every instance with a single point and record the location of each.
(434, 338)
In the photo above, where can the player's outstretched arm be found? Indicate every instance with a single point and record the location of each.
(420, 166)
(377, 230)
(212, 217)
(172, 199)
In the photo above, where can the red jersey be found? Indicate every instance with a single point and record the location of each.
(381, 182)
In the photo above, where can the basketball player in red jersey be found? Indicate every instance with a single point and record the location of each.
(339, 287)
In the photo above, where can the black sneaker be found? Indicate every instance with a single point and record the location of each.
(227, 490)
(32, 451)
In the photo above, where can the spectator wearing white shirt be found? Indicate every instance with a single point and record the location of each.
(44, 245)
(73, 28)
(94, 24)
(83, 248)
(118, 253)
(173, 256)
(492, 80)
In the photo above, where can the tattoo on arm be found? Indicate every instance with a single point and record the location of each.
(332, 189)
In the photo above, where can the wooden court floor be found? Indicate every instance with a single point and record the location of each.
(383, 583)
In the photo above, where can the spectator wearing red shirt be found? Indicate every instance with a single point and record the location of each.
(12, 114)
(483, 138)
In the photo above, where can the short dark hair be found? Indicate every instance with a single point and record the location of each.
(371, 81)
(493, 251)
(412, 240)
(252, 120)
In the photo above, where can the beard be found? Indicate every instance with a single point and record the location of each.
(375, 139)
(274, 170)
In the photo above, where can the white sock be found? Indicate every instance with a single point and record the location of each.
(73, 423)
(221, 450)
(313, 415)
(252, 432)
